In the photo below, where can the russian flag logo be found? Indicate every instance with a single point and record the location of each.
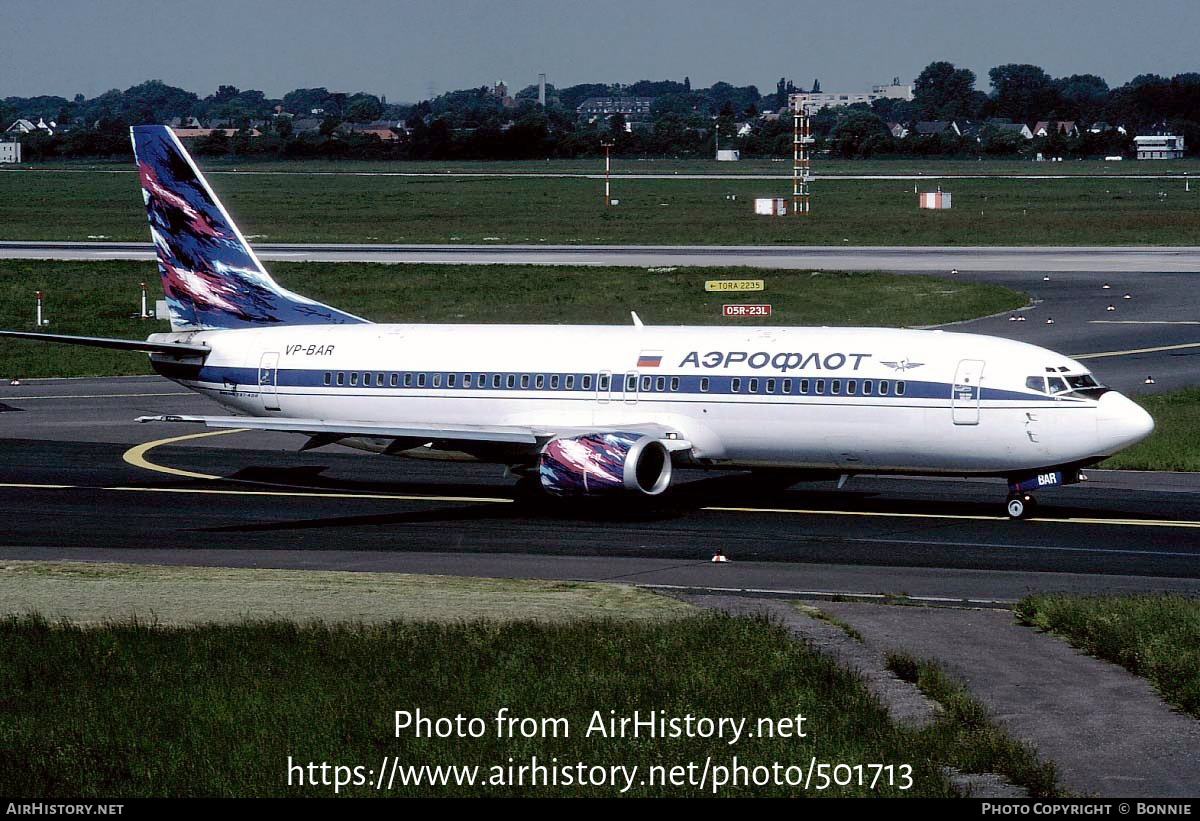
(650, 359)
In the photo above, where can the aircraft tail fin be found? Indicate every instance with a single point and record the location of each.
(211, 276)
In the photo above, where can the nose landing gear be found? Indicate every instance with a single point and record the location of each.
(1020, 505)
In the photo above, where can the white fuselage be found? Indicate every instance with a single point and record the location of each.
(849, 399)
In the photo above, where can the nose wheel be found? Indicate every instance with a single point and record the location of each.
(1020, 505)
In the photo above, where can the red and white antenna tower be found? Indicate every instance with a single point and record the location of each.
(801, 160)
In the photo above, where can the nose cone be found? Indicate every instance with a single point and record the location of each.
(1121, 422)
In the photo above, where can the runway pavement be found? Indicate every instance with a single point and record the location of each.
(1130, 260)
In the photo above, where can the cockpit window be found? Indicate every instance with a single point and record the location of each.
(1084, 384)
(1080, 384)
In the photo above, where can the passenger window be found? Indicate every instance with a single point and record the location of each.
(674, 383)
(328, 377)
(451, 380)
(660, 384)
(524, 381)
(421, 380)
(394, 380)
(586, 383)
(554, 382)
(645, 383)
(495, 380)
(883, 387)
(379, 380)
(354, 379)
(852, 386)
(603, 384)
(467, 380)
(804, 386)
(787, 386)
(570, 381)
(836, 386)
(737, 385)
(540, 381)
(408, 380)
(511, 381)
(753, 386)
(770, 386)
(341, 378)
(821, 386)
(867, 385)
(631, 382)
(899, 389)
(704, 384)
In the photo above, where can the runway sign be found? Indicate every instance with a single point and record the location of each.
(733, 285)
(746, 310)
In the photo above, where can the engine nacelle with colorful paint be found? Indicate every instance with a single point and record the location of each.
(601, 463)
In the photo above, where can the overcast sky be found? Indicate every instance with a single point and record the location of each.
(409, 51)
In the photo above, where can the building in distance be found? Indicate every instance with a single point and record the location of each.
(606, 106)
(1159, 147)
(813, 101)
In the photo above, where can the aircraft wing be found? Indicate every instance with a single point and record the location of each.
(328, 431)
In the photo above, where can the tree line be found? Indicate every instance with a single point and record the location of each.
(683, 121)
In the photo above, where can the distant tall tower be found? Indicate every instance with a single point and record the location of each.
(542, 90)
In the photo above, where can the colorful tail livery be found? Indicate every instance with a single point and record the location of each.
(211, 276)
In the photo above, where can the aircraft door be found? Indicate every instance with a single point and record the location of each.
(964, 394)
(268, 375)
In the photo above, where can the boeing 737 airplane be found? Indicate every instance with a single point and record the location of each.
(588, 410)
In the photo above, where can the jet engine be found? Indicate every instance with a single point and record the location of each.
(604, 462)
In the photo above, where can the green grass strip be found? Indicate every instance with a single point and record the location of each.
(1175, 443)
(676, 209)
(1155, 636)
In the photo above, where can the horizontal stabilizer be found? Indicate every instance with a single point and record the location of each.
(169, 348)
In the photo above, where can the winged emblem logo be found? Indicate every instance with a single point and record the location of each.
(902, 365)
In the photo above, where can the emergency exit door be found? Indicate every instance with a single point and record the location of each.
(965, 393)
(268, 375)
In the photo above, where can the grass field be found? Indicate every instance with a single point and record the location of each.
(1156, 637)
(451, 208)
(94, 594)
(216, 703)
(102, 299)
